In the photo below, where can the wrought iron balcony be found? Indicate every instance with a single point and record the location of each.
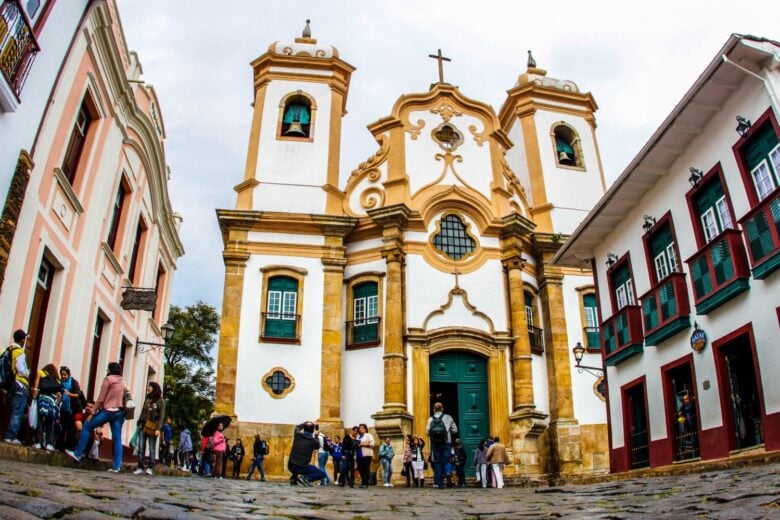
(18, 46)
(622, 334)
(665, 309)
(536, 336)
(761, 228)
(280, 327)
(364, 332)
(592, 339)
(719, 271)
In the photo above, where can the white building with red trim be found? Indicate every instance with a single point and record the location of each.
(685, 248)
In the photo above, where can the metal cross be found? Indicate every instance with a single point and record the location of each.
(440, 59)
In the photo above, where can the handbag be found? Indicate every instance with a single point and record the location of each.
(32, 414)
(150, 427)
(403, 472)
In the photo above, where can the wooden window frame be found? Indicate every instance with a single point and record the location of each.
(273, 271)
(768, 117)
(716, 172)
(666, 219)
(625, 259)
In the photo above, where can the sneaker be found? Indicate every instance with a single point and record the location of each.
(72, 455)
(112, 470)
(218, 478)
(304, 481)
(139, 471)
(36, 446)
(389, 484)
(49, 447)
(386, 484)
(149, 471)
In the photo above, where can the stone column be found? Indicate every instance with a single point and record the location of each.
(565, 440)
(12, 208)
(527, 423)
(393, 420)
(334, 229)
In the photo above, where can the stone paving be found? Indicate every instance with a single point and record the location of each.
(30, 491)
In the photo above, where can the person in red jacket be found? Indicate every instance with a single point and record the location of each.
(220, 446)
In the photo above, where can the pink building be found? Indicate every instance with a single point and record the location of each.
(95, 217)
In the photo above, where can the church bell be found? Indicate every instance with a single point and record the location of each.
(565, 158)
(295, 129)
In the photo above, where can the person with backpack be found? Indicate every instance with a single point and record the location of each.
(109, 408)
(439, 429)
(259, 451)
(47, 389)
(322, 454)
(14, 374)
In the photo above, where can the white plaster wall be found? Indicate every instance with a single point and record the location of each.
(422, 166)
(362, 384)
(541, 389)
(293, 164)
(302, 361)
(756, 306)
(354, 247)
(588, 408)
(18, 128)
(354, 269)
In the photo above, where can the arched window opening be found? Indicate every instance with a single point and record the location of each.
(296, 119)
(453, 239)
(568, 151)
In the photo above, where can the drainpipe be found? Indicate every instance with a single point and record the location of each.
(767, 84)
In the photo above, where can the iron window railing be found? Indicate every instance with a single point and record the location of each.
(536, 338)
(719, 271)
(280, 325)
(363, 332)
(665, 308)
(761, 229)
(18, 46)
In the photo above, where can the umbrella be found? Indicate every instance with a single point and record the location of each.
(212, 424)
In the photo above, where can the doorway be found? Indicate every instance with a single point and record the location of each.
(458, 380)
(635, 426)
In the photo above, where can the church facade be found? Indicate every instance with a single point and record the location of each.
(423, 275)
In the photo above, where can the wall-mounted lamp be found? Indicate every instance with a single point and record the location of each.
(146, 346)
(611, 259)
(743, 126)
(649, 223)
(579, 351)
(696, 176)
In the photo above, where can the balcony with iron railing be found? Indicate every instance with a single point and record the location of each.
(761, 229)
(363, 333)
(665, 309)
(536, 337)
(592, 339)
(622, 334)
(18, 48)
(719, 271)
(279, 327)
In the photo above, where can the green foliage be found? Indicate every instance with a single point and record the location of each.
(189, 376)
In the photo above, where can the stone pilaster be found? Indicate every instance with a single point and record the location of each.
(565, 449)
(394, 419)
(12, 208)
(333, 261)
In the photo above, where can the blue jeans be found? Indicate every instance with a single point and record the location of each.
(143, 441)
(115, 421)
(347, 473)
(257, 462)
(387, 470)
(311, 472)
(322, 460)
(441, 460)
(18, 405)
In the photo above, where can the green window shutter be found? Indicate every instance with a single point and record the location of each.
(620, 275)
(650, 312)
(366, 326)
(660, 240)
(668, 301)
(761, 143)
(700, 272)
(708, 195)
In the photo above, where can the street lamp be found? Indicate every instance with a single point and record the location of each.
(145, 346)
(579, 351)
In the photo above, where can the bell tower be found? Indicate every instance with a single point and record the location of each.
(300, 96)
(556, 155)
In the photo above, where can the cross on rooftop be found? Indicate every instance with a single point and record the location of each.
(440, 59)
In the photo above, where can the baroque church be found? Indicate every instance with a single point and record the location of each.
(423, 275)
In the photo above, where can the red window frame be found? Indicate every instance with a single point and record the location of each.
(666, 218)
(744, 171)
(626, 258)
(714, 172)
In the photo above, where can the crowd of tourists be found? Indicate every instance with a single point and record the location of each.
(59, 417)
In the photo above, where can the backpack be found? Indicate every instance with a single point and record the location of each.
(210, 444)
(264, 448)
(7, 370)
(438, 430)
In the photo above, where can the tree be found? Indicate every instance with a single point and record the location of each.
(189, 376)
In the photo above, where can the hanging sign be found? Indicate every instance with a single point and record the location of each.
(139, 299)
(698, 339)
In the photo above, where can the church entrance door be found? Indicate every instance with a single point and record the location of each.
(459, 381)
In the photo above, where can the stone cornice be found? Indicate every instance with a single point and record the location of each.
(516, 225)
(396, 215)
(336, 226)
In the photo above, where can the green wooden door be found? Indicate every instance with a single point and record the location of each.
(459, 381)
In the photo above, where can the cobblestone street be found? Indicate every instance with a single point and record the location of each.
(39, 491)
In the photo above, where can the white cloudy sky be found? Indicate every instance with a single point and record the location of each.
(637, 60)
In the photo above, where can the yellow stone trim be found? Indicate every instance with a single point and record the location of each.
(312, 117)
(583, 291)
(434, 200)
(244, 200)
(333, 202)
(446, 265)
(295, 250)
(535, 173)
(598, 159)
(576, 145)
(268, 389)
(457, 291)
(273, 271)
